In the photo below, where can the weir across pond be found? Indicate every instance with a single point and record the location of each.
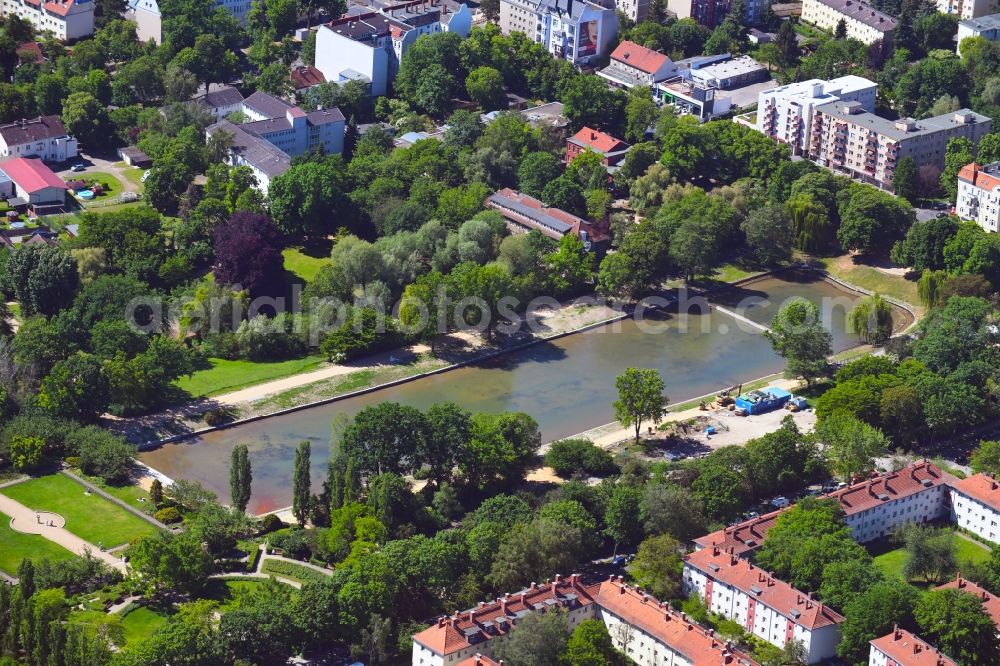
(567, 385)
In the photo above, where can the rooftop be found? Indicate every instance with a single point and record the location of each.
(598, 141)
(266, 105)
(259, 152)
(34, 129)
(737, 572)
(306, 76)
(549, 219)
(991, 602)
(863, 12)
(980, 487)
(31, 175)
(983, 23)
(730, 68)
(903, 128)
(223, 96)
(986, 177)
(479, 660)
(633, 55)
(907, 649)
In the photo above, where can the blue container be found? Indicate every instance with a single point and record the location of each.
(760, 402)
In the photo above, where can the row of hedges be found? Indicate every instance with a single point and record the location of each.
(292, 570)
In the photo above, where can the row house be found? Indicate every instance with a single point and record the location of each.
(44, 137)
(978, 196)
(902, 648)
(764, 606)
(66, 20)
(975, 506)
(863, 21)
(633, 65)
(647, 630)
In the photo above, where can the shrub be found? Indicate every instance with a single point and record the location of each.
(270, 523)
(296, 571)
(570, 456)
(73, 461)
(296, 543)
(253, 557)
(168, 515)
(216, 417)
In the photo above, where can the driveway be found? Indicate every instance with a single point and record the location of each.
(96, 164)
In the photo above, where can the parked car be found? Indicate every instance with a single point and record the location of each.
(77, 167)
(780, 502)
(144, 176)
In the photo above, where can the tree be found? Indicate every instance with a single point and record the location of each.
(301, 484)
(797, 335)
(167, 561)
(26, 453)
(986, 458)
(671, 509)
(485, 87)
(957, 622)
(641, 397)
(621, 519)
(449, 428)
(852, 445)
(308, 198)
(565, 194)
(641, 113)
(959, 152)
(248, 253)
(103, 454)
(787, 43)
(845, 580)
(590, 645)
(535, 551)
(44, 279)
(871, 320)
(930, 553)
(589, 101)
(571, 456)
(872, 220)
(537, 170)
(240, 477)
(501, 448)
(812, 228)
(85, 118)
(769, 234)
(904, 179)
(540, 640)
(76, 388)
(658, 565)
(923, 247)
(570, 268)
(385, 438)
(841, 31)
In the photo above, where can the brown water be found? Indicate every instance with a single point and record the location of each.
(567, 385)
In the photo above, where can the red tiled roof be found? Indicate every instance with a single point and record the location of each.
(737, 572)
(31, 52)
(750, 534)
(656, 618)
(31, 175)
(598, 141)
(633, 55)
(980, 487)
(910, 480)
(907, 649)
(306, 77)
(479, 660)
(575, 223)
(991, 602)
(973, 173)
(60, 8)
(451, 634)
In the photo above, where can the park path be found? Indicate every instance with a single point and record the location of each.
(27, 523)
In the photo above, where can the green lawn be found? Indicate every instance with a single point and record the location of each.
(129, 493)
(225, 376)
(874, 280)
(141, 622)
(892, 562)
(112, 186)
(15, 546)
(228, 591)
(303, 265)
(92, 518)
(133, 174)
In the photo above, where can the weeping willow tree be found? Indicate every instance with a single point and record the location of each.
(929, 287)
(811, 224)
(871, 320)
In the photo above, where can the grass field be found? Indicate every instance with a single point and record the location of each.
(140, 623)
(872, 279)
(93, 519)
(132, 174)
(112, 186)
(892, 562)
(225, 376)
(15, 546)
(228, 592)
(130, 493)
(303, 265)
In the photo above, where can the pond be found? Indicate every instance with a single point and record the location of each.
(567, 385)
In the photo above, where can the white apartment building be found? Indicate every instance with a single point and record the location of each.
(637, 10)
(44, 137)
(369, 45)
(847, 139)
(147, 18)
(979, 195)
(976, 506)
(66, 19)
(901, 648)
(987, 27)
(863, 22)
(238, 8)
(768, 608)
(575, 30)
(647, 630)
(785, 113)
(633, 65)
(968, 9)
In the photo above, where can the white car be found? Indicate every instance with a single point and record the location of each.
(144, 176)
(780, 502)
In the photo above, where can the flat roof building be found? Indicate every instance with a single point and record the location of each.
(987, 27)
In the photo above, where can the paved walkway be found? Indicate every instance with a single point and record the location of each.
(24, 520)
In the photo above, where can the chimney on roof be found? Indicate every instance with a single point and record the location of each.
(715, 550)
(503, 606)
(621, 589)
(534, 586)
(524, 598)
(896, 633)
(453, 621)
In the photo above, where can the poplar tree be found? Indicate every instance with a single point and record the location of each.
(301, 484)
(240, 477)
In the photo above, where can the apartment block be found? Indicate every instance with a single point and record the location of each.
(968, 9)
(710, 13)
(863, 21)
(763, 605)
(575, 30)
(636, 10)
(368, 43)
(147, 18)
(975, 503)
(66, 19)
(647, 630)
(846, 138)
(44, 137)
(987, 27)
(901, 648)
(979, 195)
(785, 113)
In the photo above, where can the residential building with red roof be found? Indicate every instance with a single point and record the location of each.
(975, 506)
(524, 213)
(763, 605)
(33, 182)
(611, 149)
(44, 137)
(647, 630)
(66, 19)
(304, 77)
(633, 65)
(991, 602)
(979, 195)
(901, 648)
(873, 508)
